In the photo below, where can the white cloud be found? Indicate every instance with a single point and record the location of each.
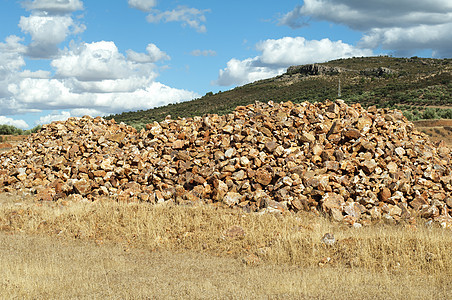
(279, 54)
(11, 58)
(404, 40)
(143, 5)
(365, 15)
(87, 78)
(240, 72)
(291, 51)
(36, 74)
(16, 123)
(98, 61)
(153, 54)
(93, 77)
(47, 32)
(54, 116)
(54, 6)
(198, 52)
(390, 24)
(52, 94)
(11, 62)
(191, 17)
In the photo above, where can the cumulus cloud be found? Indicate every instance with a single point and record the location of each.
(143, 5)
(277, 55)
(98, 61)
(47, 32)
(54, 6)
(11, 56)
(87, 78)
(91, 77)
(191, 17)
(404, 40)
(11, 62)
(238, 72)
(154, 54)
(289, 51)
(54, 116)
(198, 52)
(389, 24)
(16, 123)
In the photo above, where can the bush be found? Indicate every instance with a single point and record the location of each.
(429, 113)
(10, 130)
(408, 115)
(446, 113)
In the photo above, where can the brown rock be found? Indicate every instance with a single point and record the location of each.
(307, 137)
(271, 146)
(384, 194)
(232, 198)
(352, 134)
(418, 203)
(234, 232)
(82, 187)
(332, 200)
(369, 166)
(220, 189)
(263, 177)
(449, 202)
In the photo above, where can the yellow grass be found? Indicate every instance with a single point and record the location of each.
(119, 250)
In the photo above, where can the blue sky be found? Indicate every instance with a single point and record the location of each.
(63, 58)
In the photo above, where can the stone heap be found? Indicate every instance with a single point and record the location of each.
(353, 164)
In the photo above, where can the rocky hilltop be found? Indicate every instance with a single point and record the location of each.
(353, 164)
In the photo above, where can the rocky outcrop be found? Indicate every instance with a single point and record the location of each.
(314, 69)
(353, 164)
(378, 72)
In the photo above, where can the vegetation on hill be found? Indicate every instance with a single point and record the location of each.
(12, 130)
(421, 87)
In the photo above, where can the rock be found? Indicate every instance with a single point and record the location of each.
(384, 194)
(449, 202)
(369, 166)
(307, 137)
(221, 189)
(394, 210)
(82, 187)
(352, 134)
(234, 232)
(232, 198)
(263, 177)
(332, 200)
(353, 164)
(328, 239)
(271, 146)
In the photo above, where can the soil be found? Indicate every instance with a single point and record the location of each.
(9, 141)
(438, 130)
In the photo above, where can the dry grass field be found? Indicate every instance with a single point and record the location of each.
(116, 250)
(438, 130)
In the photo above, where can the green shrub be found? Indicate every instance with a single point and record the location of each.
(446, 113)
(10, 130)
(429, 113)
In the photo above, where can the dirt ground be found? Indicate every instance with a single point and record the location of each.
(438, 130)
(9, 141)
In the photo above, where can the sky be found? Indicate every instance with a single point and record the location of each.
(69, 58)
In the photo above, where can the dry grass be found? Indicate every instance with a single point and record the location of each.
(118, 250)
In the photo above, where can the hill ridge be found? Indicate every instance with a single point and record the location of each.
(409, 84)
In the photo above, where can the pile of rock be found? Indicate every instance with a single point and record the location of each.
(345, 161)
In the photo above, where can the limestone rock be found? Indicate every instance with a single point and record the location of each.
(353, 164)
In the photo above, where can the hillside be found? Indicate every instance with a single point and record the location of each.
(420, 87)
